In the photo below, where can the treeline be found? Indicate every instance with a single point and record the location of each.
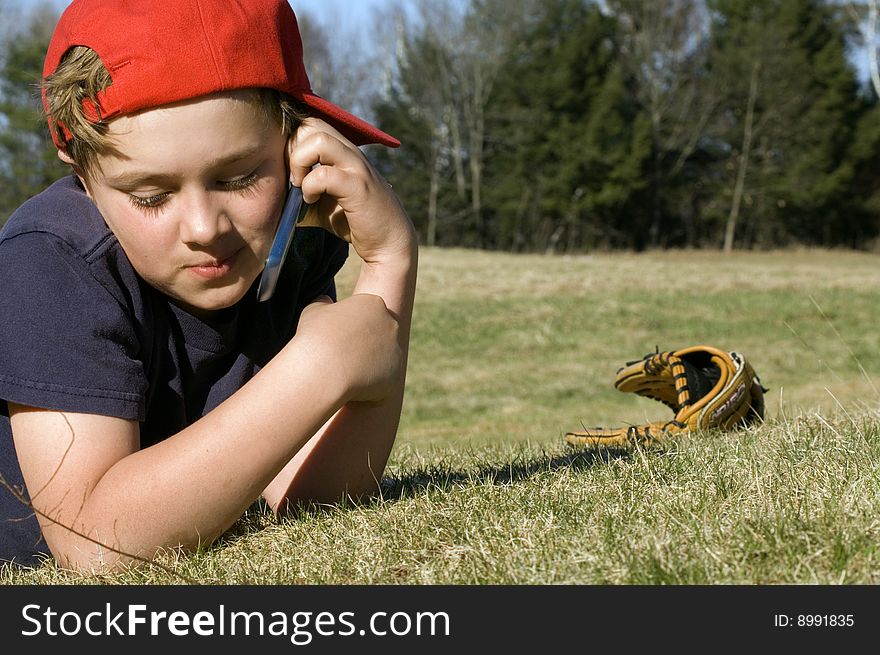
(28, 161)
(570, 125)
(576, 125)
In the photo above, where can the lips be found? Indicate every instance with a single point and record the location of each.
(213, 268)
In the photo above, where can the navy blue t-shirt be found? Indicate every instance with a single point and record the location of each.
(80, 331)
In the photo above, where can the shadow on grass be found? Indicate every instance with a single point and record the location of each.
(427, 479)
(438, 478)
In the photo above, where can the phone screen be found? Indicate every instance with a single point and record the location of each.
(294, 211)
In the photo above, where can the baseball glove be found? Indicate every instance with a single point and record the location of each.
(705, 387)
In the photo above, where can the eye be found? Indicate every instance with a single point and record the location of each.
(240, 183)
(149, 203)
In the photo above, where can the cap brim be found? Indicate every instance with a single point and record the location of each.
(356, 130)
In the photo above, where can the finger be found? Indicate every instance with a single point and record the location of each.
(343, 185)
(324, 214)
(314, 143)
(313, 124)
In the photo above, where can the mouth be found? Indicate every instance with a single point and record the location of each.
(214, 267)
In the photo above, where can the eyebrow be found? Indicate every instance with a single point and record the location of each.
(133, 178)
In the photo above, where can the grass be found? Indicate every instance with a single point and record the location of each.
(509, 352)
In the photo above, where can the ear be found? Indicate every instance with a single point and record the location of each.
(63, 156)
(77, 170)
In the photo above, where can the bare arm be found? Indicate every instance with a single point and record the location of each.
(86, 472)
(347, 456)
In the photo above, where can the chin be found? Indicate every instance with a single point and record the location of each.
(211, 302)
(224, 302)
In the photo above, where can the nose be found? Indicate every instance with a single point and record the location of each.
(203, 219)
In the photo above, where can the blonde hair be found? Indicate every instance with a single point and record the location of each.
(81, 76)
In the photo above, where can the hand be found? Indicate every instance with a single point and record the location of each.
(357, 341)
(351, 199)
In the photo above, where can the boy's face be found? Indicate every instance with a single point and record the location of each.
(193, 193)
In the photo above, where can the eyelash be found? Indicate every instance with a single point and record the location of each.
(152, 204)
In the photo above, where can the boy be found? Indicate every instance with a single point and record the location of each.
(147, 398)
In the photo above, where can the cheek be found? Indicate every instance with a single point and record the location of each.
(144, 239)
(259, 214)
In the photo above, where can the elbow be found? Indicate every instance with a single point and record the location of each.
(99, 559)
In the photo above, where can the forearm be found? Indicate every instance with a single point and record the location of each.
(393, 278)
(188, 489)
(344, 460)
(347, 456)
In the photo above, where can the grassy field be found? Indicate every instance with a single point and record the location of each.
(509, 352)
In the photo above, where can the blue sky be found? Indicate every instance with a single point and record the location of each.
(348, 11)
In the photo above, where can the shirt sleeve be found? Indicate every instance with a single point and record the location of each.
(67, 337)
(321, 255)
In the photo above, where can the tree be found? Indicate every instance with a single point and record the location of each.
(338, 65)
(873, 49)
(420, 112)
(423, 106)
(569, 144)
(565, 125)
(862, 228)
(28, 159)
(865, 16)
(663, 46)
(784, 123)
(447, 67)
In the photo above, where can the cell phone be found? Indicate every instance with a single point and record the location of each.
(294, 211)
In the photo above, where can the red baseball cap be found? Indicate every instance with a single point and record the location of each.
(163, 51)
